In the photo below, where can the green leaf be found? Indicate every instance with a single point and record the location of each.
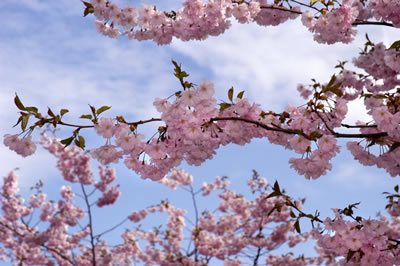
(297, 226)
(19, 121)
(18, 103)
(87, 4)
(394, 146)
(224, 106)
(298, 132)
(80, 142)
(276, 187)
(102, 109)
(312, 2)
(86, 116)
(380, 96)
(50, 113)
(93, 110)
(396, 188)
(87, 11)
(292, 214)
(395, 45)
(31, 109)
(350, 254)
(240, 95)
(230, 94)
(63, 111)
(67, 141)
(332, 81)
(315, 135)
(335, 89)
(274, 194)
(25, 119)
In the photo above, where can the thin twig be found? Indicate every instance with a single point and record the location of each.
(90, 224)
(111, 229)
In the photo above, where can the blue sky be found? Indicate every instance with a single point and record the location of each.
(52, 56)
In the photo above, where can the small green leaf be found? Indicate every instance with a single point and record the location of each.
(86, 116)
(120, 119)
(396, 188)
(350, 254)
(276, 187)
(312, 2)
(50, 113)
(230, 94)
(93, 109)
(18, 103)
(274, 194)
(19, 121)
(102, 109)
(332, 81)
(395, 45)
(394, 146)
(240, 95)
(175, 64)
(335, 89)
(87, 4)
(63, 111)
(297, 226)
(224, 106)
(183, 74)
(31, 109)
(315, 135)
(292, 214)
(87, 11)
(80, 142)
(67, 141)
(380, 96)
(25, 119)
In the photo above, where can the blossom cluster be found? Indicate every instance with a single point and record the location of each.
(369, 242)
(196, 126)
(22, 146)
(241, 226)
(198, 19)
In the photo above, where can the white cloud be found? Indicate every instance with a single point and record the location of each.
(269, 62)
(67, 64)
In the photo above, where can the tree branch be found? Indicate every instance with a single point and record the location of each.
(296, 132)
(90, 225)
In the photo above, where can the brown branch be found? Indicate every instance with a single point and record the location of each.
(359, 126)
(141, 122)
(380, 23)
(72, 125)
(282, 9)
(43, 245)
(296, 132)
(355, 23)
(93, 249)
(278, 129)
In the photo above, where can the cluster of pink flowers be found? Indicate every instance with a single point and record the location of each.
(371, 242)
(198, 19)
(23, 146)
(196, 126)
(240, 225)
(386, 10)
(28, 244)
(335, 25)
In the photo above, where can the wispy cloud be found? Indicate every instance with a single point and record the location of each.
(57, 59)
